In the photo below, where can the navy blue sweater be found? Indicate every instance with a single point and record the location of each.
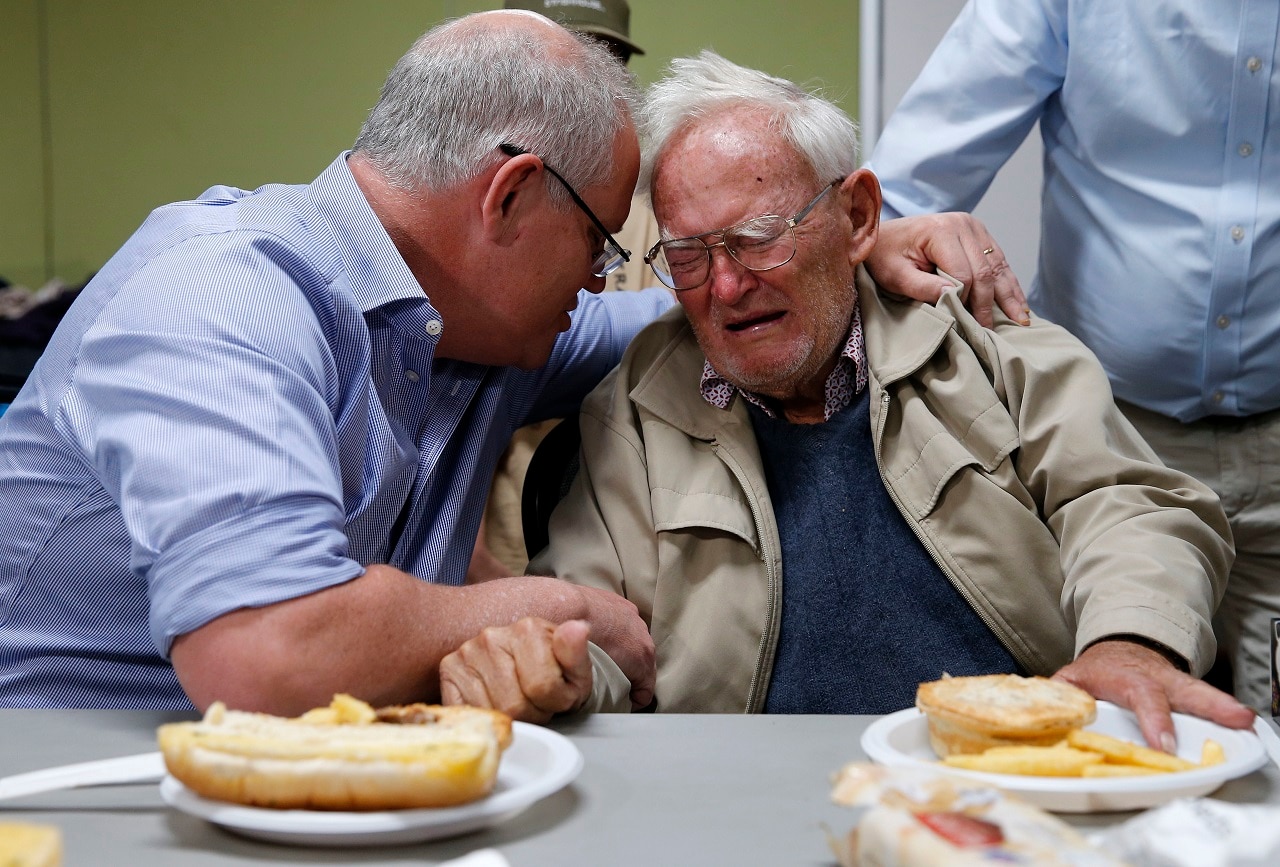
(866, 612)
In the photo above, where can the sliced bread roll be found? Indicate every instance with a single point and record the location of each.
(344, 757)
(971, 714)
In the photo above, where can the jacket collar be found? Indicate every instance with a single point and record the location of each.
(900, 337)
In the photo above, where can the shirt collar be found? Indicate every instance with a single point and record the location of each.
(374, 267)
(844, 383)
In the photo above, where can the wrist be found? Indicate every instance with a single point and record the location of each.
(1174, 658)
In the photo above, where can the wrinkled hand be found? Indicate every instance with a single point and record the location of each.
(909, 250)
(530, 670)
(618, 629)
(1140, 679)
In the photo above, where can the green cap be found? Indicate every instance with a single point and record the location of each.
(610, 19)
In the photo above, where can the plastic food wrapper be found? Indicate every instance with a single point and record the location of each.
(1197, 832)
(917, 818)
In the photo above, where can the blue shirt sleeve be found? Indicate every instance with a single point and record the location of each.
(978, 96)
(207, 418)
(603, 326)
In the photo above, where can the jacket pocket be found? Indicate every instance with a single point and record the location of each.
(722, 512)
(918, 471)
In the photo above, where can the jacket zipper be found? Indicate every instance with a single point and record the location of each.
(928, 545)
(757, 516)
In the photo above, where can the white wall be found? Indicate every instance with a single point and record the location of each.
(897, 38)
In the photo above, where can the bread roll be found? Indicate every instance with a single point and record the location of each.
(970, 714)
(26, 845)
(343, 757)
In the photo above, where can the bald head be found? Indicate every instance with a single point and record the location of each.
(483, 24)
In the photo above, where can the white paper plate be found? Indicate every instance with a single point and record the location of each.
(538, 763)
(902, 738)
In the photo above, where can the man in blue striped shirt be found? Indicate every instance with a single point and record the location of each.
(251, 464)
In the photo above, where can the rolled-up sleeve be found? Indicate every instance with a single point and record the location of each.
(208, 416)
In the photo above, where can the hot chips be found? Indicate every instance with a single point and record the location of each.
(1120, 752)
(1055, 761)
(1211, 753)
(1083, 754)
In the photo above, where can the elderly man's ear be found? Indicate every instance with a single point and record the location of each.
(860, 193)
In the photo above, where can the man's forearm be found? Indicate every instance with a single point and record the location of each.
(380, 637)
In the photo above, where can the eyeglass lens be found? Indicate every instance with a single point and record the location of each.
(607, 261)
(758, 244)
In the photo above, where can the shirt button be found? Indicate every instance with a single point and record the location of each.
(411, 375)
(1219, 397)
(1254, 64)
(1237, 233)
(1224, 321)
(434, 327)
(1245, 149)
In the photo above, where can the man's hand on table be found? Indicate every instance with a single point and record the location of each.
(909, 250)
(1144, 681)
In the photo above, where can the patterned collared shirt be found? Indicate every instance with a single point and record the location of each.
(845, 382)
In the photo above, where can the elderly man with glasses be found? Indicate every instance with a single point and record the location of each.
(819, 496)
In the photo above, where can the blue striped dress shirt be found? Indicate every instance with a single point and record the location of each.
(234, 413)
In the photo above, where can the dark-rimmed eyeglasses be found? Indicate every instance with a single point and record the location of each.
(759, 244)
(613, 256)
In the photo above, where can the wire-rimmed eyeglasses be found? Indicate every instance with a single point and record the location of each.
(613, 256)
(759, 244)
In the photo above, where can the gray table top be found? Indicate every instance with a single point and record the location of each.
(664, 789)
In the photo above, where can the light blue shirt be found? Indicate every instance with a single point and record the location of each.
(1160, 226)
(233, 413)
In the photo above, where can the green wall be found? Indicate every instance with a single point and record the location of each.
(22, 172)
(112, 107)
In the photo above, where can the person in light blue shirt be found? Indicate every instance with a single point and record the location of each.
(271, 409)
(251, 463)
(1160, 226)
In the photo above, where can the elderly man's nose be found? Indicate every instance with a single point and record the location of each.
(729, 279)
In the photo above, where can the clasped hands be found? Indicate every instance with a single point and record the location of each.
(534, 669)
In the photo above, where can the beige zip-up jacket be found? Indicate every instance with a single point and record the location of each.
(1003, 450)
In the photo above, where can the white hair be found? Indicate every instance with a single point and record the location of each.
(458, 93)
(696, 87)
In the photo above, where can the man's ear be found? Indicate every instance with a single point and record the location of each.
(862, 191)
(513, 191)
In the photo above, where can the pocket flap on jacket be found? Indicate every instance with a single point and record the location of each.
(679, 510)
(919, 484)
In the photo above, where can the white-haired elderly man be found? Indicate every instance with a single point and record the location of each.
(819, 496)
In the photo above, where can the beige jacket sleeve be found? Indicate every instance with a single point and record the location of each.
(1144, 549)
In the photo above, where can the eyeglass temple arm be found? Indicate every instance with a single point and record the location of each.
(515, 151)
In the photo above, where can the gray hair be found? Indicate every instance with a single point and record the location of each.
(697, 87)
(458, 93)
